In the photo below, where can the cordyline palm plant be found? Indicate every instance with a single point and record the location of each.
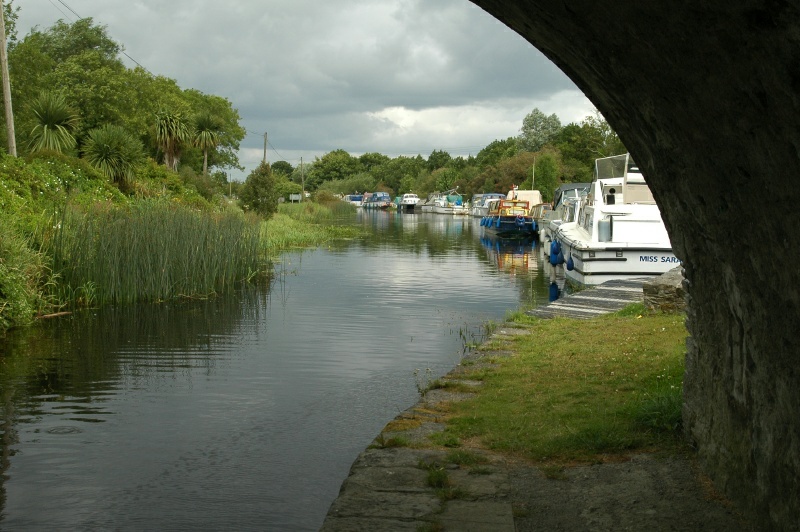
(172, 132)
(55, 122)
(206, 136)
(114, 152)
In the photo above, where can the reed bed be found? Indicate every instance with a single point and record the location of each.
(317, 212)
(306, 225)
(283, 232)
(152, 251)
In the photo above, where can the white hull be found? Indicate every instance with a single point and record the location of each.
(618, 232)
(596, 265)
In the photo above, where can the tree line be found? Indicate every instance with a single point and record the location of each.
(544, 155)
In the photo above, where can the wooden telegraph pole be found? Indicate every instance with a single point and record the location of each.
(12, 141)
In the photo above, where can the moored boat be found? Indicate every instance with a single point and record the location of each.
(428, 204)
(408, 202)
(377, 200)
(619, 232)
(355, 200)
(509, 218)
(479, 207)
(566, 199)
(450, 202)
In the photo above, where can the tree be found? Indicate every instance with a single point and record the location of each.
(172, 133)
(282, 167)
(496, 151)
(55, 122)
(438, 159)
(445, 178)
(260, 193)
(206, 136)
(372, 159)
(580, 144)
(225, 154)
(114, 152)
(546, 175)
(538, 130)
(334, 165)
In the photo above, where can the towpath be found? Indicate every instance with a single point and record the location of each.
(389, 485)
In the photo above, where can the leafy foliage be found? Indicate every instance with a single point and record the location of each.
(55, 122)
(114, 152)
(172, 133)
(538, 130)
(259, 193)
(84, 62)
(282, 167)
(206, 135)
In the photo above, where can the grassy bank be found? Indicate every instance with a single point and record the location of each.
(576, 390)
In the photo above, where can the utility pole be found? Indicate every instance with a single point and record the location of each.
(12, 141)
(533, 173)
(302, 181)
(264, 160)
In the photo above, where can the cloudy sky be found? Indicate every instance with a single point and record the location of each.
(399, 77)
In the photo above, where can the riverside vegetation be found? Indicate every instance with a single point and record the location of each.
(72, 238)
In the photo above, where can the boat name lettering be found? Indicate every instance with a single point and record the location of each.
(654, 258)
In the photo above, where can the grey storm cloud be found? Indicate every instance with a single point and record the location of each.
(392, 76)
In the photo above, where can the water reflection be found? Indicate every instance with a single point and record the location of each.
(244, 411)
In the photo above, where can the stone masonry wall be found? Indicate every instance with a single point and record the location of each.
(706, 96)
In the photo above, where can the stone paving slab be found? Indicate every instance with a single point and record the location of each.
(480, 516)
(608, 297)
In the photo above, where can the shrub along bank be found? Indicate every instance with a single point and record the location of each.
(69, 237)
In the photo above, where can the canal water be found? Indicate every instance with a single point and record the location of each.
(245, 412)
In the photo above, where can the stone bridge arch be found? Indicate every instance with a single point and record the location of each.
(706, 95)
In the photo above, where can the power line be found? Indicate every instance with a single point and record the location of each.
(80, 18)
(73, 11)
(59, 9)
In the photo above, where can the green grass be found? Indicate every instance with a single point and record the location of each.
(577, 390)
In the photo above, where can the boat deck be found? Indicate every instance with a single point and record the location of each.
(605, 298)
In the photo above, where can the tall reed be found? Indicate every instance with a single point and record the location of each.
(152, 250)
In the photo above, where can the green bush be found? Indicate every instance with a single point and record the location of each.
(22, 274)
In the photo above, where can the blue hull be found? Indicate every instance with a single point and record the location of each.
(509, 226)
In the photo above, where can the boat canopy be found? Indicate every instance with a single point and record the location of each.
(633, 188)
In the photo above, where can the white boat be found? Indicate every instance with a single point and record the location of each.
(450, 202)
(429, 203)
(408, 202)
(619, 233)
(566, 199)
(479, 206)
(354, 199)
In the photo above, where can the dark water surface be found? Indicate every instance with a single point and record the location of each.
(244, 412)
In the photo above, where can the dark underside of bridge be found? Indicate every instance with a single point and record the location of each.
(706, 96)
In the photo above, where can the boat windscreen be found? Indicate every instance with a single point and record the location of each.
(613, 166)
